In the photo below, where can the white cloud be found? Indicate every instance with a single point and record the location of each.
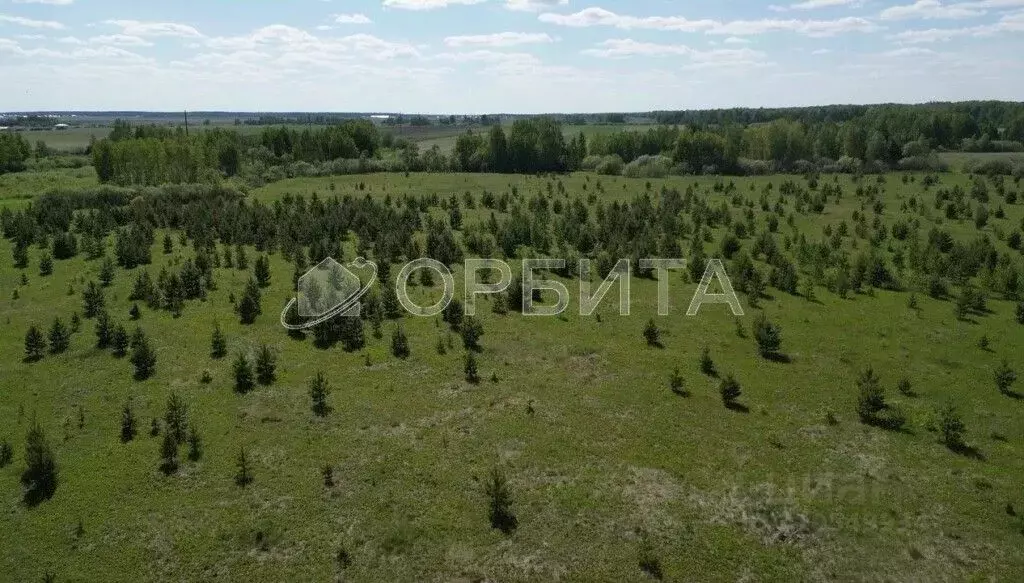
(30, 23)
(52, 2)
(625, 47)
(144, 29)
(821, 51)
(352, 19)
(534, 5)
(501, 39)
(600, 17)
(1013, 22)
(426, 4)
(735, 40)
(928, 10)
(294, 45)
(274, 33)
(102, 53)
(486, 56)
(812, 28)
(908, 52)
(815, 28)
(816, 4)
(122, 40)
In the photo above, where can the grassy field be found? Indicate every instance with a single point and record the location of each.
(18, 189)
(602, 457)
(956, 160)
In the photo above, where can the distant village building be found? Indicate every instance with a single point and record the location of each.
(61, 126)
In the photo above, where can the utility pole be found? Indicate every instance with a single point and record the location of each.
(186, 123)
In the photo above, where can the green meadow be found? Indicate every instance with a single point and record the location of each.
(612, 475)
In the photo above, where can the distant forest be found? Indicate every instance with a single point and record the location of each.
(837, 138)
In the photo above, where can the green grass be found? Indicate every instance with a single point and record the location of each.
(608, 449)
(957, 159)
(71, 139)
(18, 188)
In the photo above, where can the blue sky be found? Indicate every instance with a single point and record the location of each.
(479, 56)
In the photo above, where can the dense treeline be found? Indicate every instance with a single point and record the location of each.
(947, 121)
(152, 155)
(831, 139)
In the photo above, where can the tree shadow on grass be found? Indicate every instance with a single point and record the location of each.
(967, 451)
(737, 407)
(1013, 394)
(36, 494)
(778, 357)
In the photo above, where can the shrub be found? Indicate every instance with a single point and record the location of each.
(871, 399)
(143, 356)
(218, 343)
(40, 477)
(748, 167)
(119, 341)
(6, 454)
(249, 306)
(261, 271)
(905, 387)
(318, 392)
(652, 334)
(104, 330)
(399, 343)
(176, 418)
(923, 163)
(266, 366)
(128, 428)
(244, 378)
(952, 428)
(168, 454)
(472, 375)
(500, 503)
(675, 382)
(767, 335)
(1004, 377)
(35, 345)
(472, 330)
(647, 166)
(195, 445)
(730, 390)
(60, 337)
(45, 265)
(707, 366)
(243, 477)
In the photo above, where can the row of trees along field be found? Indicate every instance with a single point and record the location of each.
(835, 138)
